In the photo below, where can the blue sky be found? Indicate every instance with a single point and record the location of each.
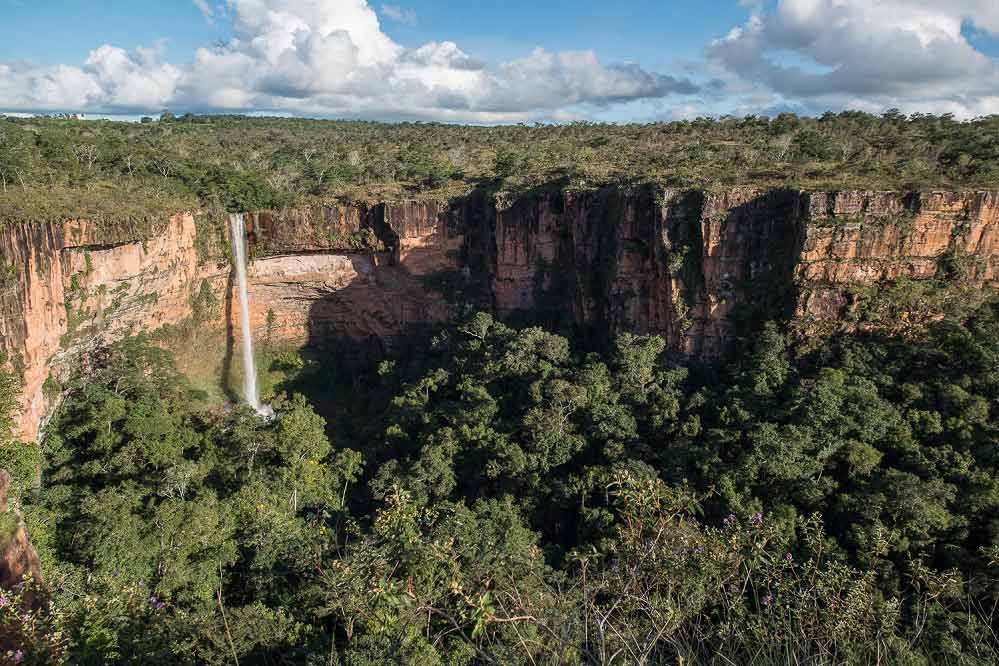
(492, 61)
(650, 31)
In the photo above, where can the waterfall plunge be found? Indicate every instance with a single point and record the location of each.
(250, 393)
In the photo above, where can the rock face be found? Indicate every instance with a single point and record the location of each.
(869, 238)
(636, 258)
(71, 293)
(678, 264)
(17, 556)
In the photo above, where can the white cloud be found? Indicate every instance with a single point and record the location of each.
(332, 58)
(206, 9)
(111, 80)
(328, 58)
(868, 54)
(399, 14)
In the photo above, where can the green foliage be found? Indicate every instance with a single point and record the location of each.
(32, 630)
(205, 305)
(163, 506)
(500, 496)
(10, 390)
(364, 240)
(21, 460)
(137, 174)
(8, 276)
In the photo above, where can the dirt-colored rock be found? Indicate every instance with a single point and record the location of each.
(71, 297)
(18, 557)
(628, 258)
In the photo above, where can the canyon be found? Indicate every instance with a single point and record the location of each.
(642, 258)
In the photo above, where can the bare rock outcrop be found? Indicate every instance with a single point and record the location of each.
(635, 258)
(17, 556)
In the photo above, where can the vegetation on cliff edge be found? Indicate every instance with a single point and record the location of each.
(55, 168)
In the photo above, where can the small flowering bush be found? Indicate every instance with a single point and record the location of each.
(32, 629)
(112, 620)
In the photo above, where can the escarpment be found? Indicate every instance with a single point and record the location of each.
(18, 557)
(681, 264)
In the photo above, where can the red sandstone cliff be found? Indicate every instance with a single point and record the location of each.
(73, 293)
(17, 556)
(621, 258)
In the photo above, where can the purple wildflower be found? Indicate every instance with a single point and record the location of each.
(767, 600)
(18, 656)
(160, 606)
(3, 601)
(153, 600)
(729, 520)
(789, 557)
(757, 518)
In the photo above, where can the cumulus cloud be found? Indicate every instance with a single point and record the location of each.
(332, 58)
(206, 9)
(329, 58)
(111, 79)
(399, 14)
(869, 54)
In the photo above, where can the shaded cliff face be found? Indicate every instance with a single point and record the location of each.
(18, 557)
(679, 264)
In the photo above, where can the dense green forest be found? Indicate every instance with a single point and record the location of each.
(500, 495)
(57, 168)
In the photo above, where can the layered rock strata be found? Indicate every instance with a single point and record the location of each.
(637, 258)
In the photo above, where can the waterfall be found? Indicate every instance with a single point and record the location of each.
(250, 393)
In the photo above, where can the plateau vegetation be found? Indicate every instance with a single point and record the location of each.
(57, 168)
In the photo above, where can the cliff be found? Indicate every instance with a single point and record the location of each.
(17, 555)
(679, 264)
(644, 259)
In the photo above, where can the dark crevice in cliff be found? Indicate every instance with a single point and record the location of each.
(476, 214)
(230, 340)
(100, 247)
(374, 218)
(685, 237)
(766, 235)
(599, 271)
(322, 253)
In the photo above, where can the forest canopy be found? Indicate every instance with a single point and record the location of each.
(500, 495)
(59, 168)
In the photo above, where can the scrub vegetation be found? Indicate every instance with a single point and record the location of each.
(116, 172)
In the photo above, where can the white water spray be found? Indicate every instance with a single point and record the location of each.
(250, 393)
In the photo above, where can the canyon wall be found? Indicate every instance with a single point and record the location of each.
(321, 273)
(679, 264)
(18, 557)
(72, 290)
(642, 258)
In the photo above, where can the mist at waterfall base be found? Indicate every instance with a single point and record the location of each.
(250, 391)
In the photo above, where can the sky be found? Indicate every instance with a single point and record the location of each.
(491, 61)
